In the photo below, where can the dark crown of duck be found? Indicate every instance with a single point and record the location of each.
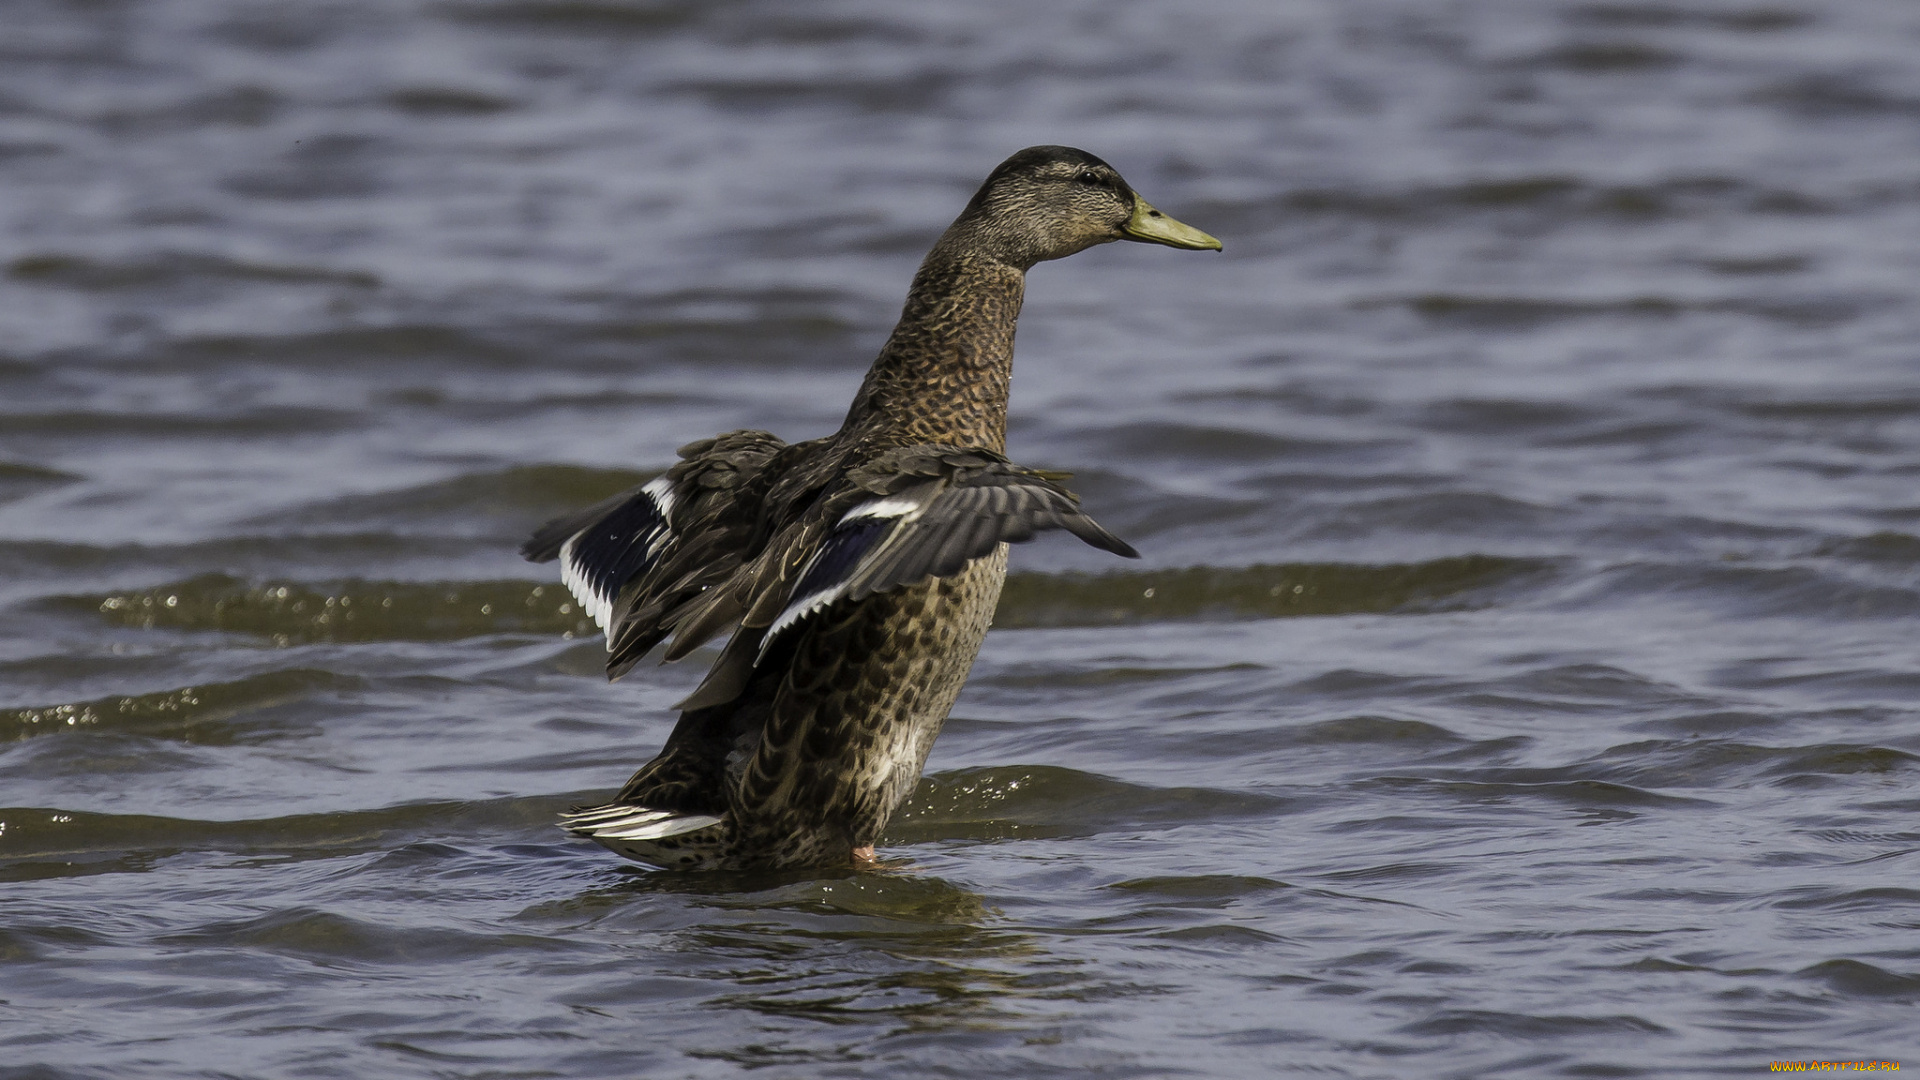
(1048, 202)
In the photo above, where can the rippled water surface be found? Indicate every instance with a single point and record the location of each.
(1521, 678)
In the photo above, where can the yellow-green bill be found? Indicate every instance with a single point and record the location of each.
(1155, 227)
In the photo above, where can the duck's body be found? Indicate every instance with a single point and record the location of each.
(858, 572)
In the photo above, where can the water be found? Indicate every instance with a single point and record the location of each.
(1521, 676)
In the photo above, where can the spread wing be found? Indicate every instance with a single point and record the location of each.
(911, 514)
(934, 529)
(633, 560)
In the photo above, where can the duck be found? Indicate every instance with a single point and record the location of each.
(854, 574)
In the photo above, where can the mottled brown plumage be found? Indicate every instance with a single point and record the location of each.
(856, 573)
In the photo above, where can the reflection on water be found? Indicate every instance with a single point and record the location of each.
(889, 955)
(1517, 681)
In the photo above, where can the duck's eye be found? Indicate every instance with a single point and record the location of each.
(1091, 179)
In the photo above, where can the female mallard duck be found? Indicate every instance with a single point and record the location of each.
(857, 572)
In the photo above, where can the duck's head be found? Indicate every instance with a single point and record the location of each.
(1047, 202)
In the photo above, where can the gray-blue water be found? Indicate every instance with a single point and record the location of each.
(1521, 679)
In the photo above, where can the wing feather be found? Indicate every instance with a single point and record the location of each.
(617, 542)
(901, 537)
(636, 560)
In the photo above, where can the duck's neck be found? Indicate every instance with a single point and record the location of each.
(943, 375)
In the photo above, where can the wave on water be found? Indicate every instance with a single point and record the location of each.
(196, 714)
(37, 842)
(973, 805)
(436, 611)
(1044, 800)
(349, 611)
(18, 479)
(512, 497)
(1123, 597)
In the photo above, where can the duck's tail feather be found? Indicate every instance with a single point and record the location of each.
(627, 822)
(669, 839)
